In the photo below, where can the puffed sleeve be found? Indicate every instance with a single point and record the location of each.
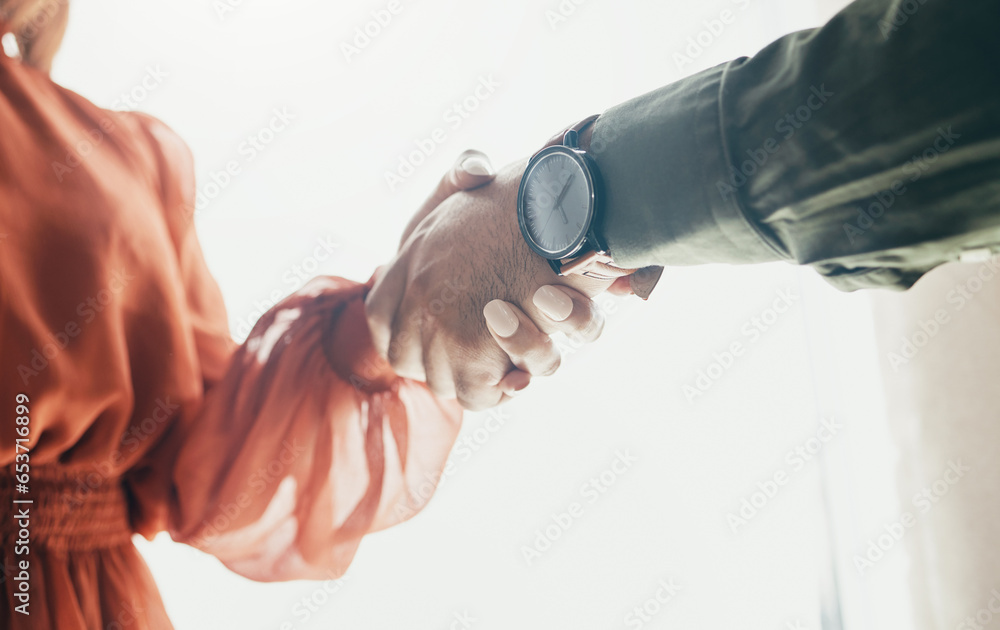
(304, 440)
(308, 443)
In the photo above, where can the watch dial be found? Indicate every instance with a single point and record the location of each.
(557, 203)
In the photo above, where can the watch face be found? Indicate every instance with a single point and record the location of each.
(556, 203)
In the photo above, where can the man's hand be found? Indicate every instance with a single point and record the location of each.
(460, 257)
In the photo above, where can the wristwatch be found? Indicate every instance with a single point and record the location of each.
(560, 212)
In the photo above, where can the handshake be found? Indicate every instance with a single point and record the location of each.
(466, 305)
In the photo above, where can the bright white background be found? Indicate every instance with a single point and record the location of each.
(323, 178)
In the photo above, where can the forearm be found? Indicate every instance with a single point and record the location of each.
(870, 153)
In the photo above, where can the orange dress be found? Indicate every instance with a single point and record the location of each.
(141, 414)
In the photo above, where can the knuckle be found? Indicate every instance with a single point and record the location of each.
(594, 327)
(472, 391)
(587, 322)
(543, 344)
(471, 404)
(464, 387)
(542, 353)
(469, 153)
(469, 400)
(550, 366)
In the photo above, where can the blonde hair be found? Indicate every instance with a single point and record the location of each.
(38, 26)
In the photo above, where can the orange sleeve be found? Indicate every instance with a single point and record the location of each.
(308, 443)
(305, 440)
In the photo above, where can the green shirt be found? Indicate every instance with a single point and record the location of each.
(868, 149)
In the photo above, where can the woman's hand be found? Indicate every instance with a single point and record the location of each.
(528, 348)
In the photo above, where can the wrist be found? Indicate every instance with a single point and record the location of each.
(592, 256)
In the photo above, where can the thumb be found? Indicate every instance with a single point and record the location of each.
(383, 301)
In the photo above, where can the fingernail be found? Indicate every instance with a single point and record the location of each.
(553, 302)
(476, 165)
(644, 280)
(499, 316)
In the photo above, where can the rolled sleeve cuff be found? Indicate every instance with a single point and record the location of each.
(669, 196)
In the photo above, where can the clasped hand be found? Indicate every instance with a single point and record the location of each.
(465, 305)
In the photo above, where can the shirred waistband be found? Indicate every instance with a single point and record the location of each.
(69, 510)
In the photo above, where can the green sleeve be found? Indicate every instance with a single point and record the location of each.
(868, 149)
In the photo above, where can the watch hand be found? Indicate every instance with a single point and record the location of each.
(562, 194)
(551, 214)
(558, 204)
